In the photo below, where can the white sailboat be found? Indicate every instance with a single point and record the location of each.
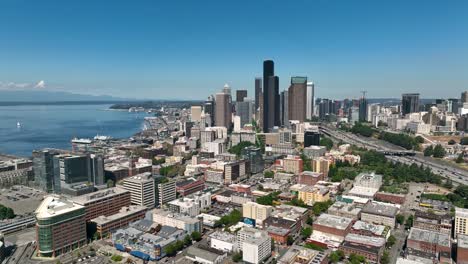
(18, 124)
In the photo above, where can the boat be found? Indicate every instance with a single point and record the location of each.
(18, 124)
(103, 138)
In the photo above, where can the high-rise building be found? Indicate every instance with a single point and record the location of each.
(461, 221)
(258, 91)
(209, 109)
(195, 113)
(245, 110)
(223, 110)
(464, 97)
(362, 109)
(410, 103)
(165, 190)
(311, 138)
(97, 169)
(297, 99)
(270, 97)
(255, 244)
(60, 226)
(284, 108)
(310, 100)
(324, 108)
(43, 167)
(141, 188)
(72, 168)
(255, 158)
(227, 89)
(240, 95)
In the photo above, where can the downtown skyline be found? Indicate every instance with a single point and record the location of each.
(143, 52)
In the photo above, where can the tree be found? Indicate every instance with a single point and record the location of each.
(391, 241)
(336, 256)
(290, 240)
(116, 258)
(448, 184)
(196, 236)
(187, 240)
(237, 256)
(272, 244)
(170, 249)
(356, 259)
(309, 220)
(326, 142)
(400, 219)
(439, 151)
(385, 259)
(306, 232)
(237, 149)
(460, 158)
(110, 183)
(419, 139)
(268, 174)
(428, 151)
(409, 222)
(452, 142)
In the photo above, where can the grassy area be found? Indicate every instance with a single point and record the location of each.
(435, 196)
(397, 188)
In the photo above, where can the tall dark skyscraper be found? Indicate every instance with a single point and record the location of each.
(409, 103)
(258, 91)
(209, 108)
(363, 109)
(271, 100)
(240, 95)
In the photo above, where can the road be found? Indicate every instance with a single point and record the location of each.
(449, 172)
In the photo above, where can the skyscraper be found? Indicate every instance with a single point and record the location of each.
(43, 168)
(270, 96)
(245, 111)
(284, 105)
(464, 97)
(209, 109)
(258, 91)
(223, 110)
(297, 99)
(363, 109)
(240, 95)
(409, 103)
(310, 100)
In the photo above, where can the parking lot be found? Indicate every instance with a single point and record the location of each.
(22, 199)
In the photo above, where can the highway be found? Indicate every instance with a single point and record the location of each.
(455, 174)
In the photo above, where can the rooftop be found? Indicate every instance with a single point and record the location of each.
(124, 212)
(365, 240)
(206, 253)
(224, 236)
(298, 254)
(380, 209)
(429, 237)
(360, 190)
(54, 205)
(143, 177)
(375, 229)
(334, 221)
(99, 195)
(462, 241)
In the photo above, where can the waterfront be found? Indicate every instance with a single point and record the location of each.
(54, 126)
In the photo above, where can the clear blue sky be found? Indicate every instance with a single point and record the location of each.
(189, 49)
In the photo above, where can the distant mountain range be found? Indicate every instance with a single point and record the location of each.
(51, 96)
